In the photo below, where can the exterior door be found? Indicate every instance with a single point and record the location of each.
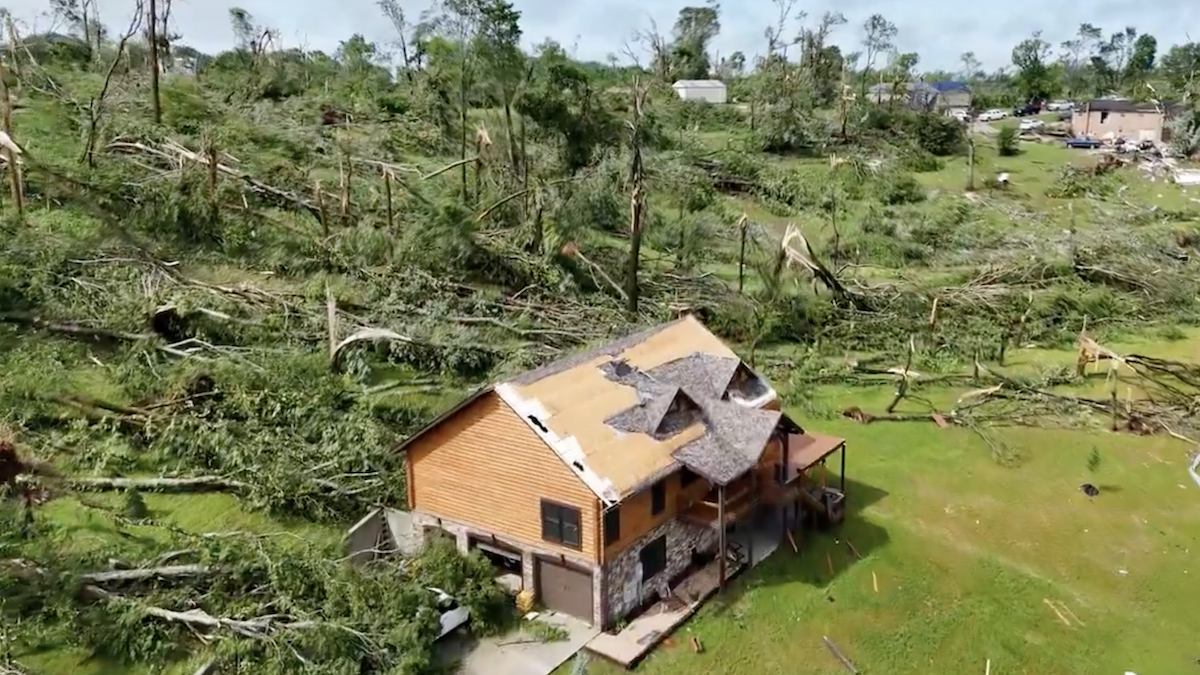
(565, 589)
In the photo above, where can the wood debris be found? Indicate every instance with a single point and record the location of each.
(838, 653)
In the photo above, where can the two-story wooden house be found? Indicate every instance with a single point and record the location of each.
(608, 474)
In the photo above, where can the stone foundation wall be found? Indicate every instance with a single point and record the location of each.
(625, 588)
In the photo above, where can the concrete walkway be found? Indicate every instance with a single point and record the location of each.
(512, 655)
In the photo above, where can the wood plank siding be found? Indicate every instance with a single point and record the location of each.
(637, 518)
(484, 467)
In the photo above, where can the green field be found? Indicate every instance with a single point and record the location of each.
(965, 553)
(372, 243)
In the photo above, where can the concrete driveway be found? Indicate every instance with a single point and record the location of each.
(519, 654)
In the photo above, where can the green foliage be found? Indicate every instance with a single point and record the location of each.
(1093, 461)
(135, 506)
(1007, 142)
(898, 187)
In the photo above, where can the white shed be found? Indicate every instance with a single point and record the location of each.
(712, 91)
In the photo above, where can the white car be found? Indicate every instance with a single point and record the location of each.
(992, 115)
(453, 615)
(1059, 106)
(1032, 124)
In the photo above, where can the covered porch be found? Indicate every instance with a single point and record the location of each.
(755, 511)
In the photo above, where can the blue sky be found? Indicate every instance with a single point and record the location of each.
(939, 30)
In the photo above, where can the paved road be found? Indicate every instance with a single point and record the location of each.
(984, 128)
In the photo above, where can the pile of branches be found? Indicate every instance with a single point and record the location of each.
(280, 604)
(1168, 399)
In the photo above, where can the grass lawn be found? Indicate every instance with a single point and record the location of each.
(966, 553)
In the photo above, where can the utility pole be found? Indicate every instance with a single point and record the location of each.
(153, 34)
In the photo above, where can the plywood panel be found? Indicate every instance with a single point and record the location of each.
(486, 468)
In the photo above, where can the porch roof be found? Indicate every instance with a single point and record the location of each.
(805, 450)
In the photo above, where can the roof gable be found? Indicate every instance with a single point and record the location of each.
(624, 414)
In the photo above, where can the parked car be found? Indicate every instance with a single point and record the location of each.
(992, 115)
(1032, 124)
(1028, 109)
(452, 615)
(1088, 143)
(1059, 106)
(961, 116)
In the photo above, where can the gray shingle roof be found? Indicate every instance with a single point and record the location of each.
(735, 435)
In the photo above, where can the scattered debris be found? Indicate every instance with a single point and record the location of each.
(1090, 490)
(875, 582)
(840, 656)
(854, 550)
(1056, 611)
(696, 646)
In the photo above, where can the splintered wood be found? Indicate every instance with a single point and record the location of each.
(1061, 610)
(833, 649)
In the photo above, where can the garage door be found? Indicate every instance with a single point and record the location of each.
(565, 589)
(494, 547)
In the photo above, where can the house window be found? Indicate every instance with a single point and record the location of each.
(687, 477)
(1103, 117)
(560, 524)
(654, 557)
(612, 525)
(658, 498)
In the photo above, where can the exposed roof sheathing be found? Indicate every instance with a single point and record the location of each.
(607, 409)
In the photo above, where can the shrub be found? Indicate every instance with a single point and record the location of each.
(1007, 144)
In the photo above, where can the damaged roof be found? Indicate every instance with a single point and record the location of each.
(632, 411)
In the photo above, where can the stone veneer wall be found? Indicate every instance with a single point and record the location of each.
(625, 588)
(463, 533)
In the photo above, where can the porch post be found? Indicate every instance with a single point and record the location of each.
(720, 537)
(843, 471)
(753, 510)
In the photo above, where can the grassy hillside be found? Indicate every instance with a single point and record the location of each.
(307, 258)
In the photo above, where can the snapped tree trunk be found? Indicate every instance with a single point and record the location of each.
(632, 287)
(462, 121)
(156, 102)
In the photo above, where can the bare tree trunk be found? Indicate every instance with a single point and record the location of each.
(632, 287)
(462, 119)
(156, 102)
(970, 160)
(387, 195)
(14, 168)
(744, 226)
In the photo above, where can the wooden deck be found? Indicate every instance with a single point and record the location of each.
(641, 635)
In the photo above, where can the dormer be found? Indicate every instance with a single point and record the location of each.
(682, 413)
(746, 387)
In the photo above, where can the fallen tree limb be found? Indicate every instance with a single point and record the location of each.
(164, 572)
(38, 323)
(195, 484)
(259, 628)
(364, 335)
(174, 153)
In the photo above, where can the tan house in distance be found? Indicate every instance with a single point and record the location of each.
(1110, 119)
(611, 475)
